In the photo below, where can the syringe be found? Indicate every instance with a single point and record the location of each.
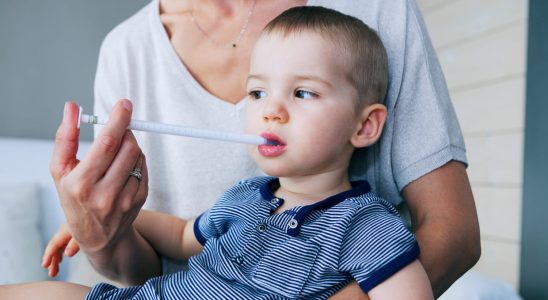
(179, 130)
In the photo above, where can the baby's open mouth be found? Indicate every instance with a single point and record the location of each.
(272, 139)
(270, 142)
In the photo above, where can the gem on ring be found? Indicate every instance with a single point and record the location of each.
(136, 173)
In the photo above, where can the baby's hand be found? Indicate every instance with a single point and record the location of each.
(61, 242)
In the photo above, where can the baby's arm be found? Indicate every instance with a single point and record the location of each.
(409, 283)
(168, 235)
(382, 255)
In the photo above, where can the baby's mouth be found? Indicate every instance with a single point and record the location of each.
(273, 147)
(272, 139)
(270, 142)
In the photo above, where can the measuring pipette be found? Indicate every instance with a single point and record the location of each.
(179, 130)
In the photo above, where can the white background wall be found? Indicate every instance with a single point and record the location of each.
(481, 45)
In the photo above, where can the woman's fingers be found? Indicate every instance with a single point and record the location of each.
(99, 197)
(66, 143)
(117, 176)
(106, 145)
(142, 193)
(130, 198)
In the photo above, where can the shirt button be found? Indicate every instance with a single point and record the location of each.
(237, 259)
(293, 223)
(274, 200)
(261, 228)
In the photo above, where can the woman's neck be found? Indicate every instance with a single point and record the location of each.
(220, 71)
(221, 8)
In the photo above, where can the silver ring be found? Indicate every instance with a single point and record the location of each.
(136, 173)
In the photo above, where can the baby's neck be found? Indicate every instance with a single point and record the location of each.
(307, 190)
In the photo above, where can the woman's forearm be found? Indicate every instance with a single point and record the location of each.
(130, 261)
(446, 253)
(445, 223)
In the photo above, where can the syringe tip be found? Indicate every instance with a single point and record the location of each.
(79, 116)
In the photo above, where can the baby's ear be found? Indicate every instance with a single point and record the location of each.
(370, 127)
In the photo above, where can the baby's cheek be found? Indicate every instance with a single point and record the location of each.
(252, 120)
(311, 148)
(250, 125)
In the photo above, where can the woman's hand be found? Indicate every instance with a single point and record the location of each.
(99, 197)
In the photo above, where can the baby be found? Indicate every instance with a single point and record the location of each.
(316, 82)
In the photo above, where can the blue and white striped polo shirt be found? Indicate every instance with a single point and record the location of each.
(307, 252)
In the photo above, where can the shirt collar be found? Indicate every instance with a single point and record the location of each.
(358, 188)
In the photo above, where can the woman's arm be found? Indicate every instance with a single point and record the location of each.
(117, 262)
(445, 223)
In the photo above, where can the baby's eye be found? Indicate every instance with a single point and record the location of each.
(256, 94)
(303, 94)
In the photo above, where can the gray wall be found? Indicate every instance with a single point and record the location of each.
(534, 242)
(48, 55)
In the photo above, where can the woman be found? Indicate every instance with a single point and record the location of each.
(185, 62)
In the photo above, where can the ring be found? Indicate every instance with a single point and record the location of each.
(136, 173)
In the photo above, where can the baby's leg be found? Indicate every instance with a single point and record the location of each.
(44, 290)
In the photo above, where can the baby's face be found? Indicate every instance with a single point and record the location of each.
(299, 95)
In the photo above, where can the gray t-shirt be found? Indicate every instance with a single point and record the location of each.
(187, 175)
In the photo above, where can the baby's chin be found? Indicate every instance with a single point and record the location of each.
(271, 168)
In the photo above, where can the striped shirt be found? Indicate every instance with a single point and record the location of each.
(306, 252)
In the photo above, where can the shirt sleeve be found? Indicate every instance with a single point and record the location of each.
(376, 246)
(426, 130)
(421, 132)
(204, 228)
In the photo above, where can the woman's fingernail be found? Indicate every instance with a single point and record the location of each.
(127, 104)
(65, 111)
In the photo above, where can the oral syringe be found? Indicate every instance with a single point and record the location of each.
(178, 130)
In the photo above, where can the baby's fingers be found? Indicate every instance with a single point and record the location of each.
(53, 268)
(72, 248)
(56, 246)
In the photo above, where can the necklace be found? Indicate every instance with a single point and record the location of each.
(238, 37)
